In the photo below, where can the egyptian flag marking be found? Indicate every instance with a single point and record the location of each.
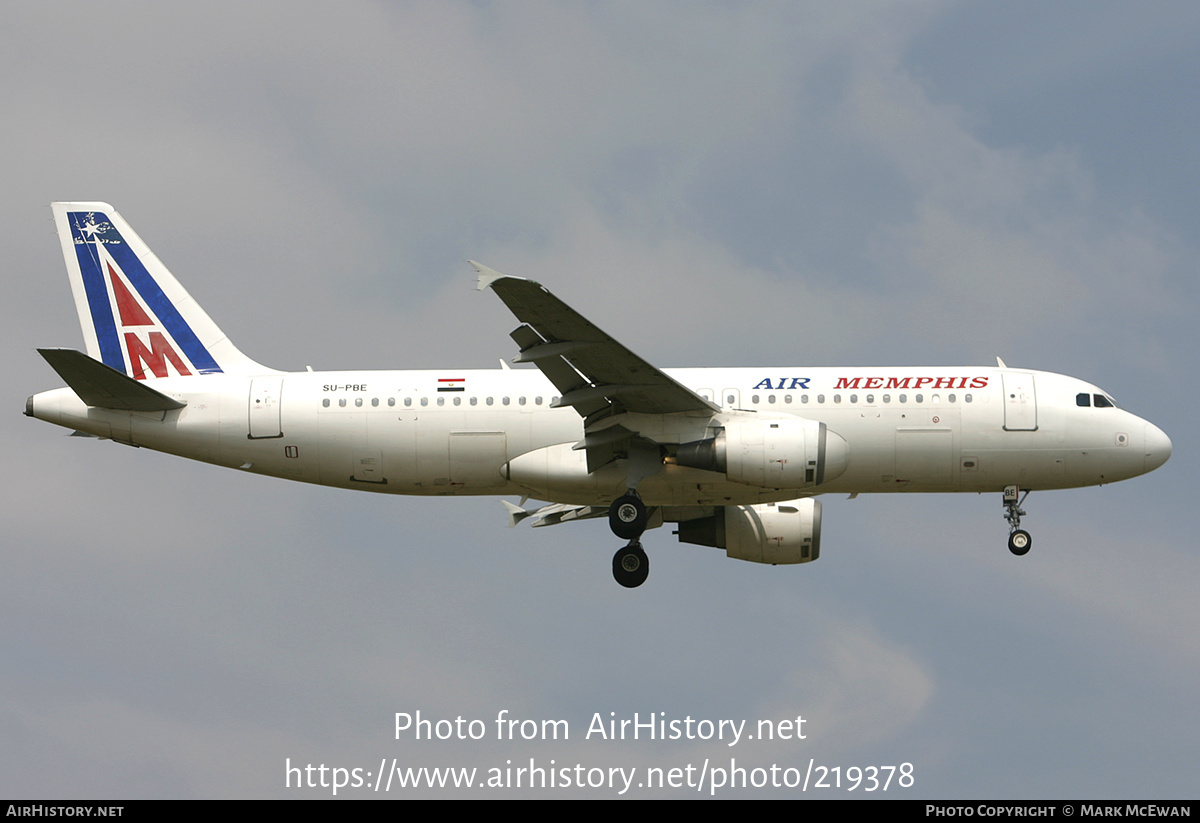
(452, 384)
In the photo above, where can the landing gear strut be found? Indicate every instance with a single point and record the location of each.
(627, 517)
(1019, 540)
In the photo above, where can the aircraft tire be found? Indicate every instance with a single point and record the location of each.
(631, 567)
(1019, 542)
(627, 517)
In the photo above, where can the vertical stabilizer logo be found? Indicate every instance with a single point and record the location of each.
(138, 328)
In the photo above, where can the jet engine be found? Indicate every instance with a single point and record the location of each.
(767, 533)
(787, 453)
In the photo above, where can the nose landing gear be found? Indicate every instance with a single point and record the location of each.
(1019, 540)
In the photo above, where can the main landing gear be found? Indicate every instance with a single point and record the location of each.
(631, 566)
(1019, 540)
(627, 517)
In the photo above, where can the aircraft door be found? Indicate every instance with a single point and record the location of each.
(265, 393)
(731, 399)
(1020, 402)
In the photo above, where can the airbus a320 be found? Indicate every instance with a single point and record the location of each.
(735, 457)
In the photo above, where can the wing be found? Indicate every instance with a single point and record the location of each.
(592, 370)
(595, 374)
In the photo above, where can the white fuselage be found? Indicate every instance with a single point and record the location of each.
(495, 432)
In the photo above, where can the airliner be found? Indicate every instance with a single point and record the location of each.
(735, 457)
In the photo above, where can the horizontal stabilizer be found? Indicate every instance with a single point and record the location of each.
(103, 386)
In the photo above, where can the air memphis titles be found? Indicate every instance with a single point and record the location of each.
(794, 383)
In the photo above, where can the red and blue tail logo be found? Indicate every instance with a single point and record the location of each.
(139, 331)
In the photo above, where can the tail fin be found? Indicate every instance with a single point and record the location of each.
(136, 318)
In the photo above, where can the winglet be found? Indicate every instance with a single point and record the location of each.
(489, 276)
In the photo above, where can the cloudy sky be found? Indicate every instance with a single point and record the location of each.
(887, 183)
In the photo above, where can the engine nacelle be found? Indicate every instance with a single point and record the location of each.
(784, 453)
(767, 533)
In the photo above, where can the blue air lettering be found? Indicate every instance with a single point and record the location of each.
(784, 383)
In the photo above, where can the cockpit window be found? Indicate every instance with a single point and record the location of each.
(1083, 399)
(1104, 402)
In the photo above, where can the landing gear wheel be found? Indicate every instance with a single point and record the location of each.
(631, 566)
(627, 517)
(1019, 542)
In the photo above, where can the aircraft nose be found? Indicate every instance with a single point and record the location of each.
(1158, 447)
